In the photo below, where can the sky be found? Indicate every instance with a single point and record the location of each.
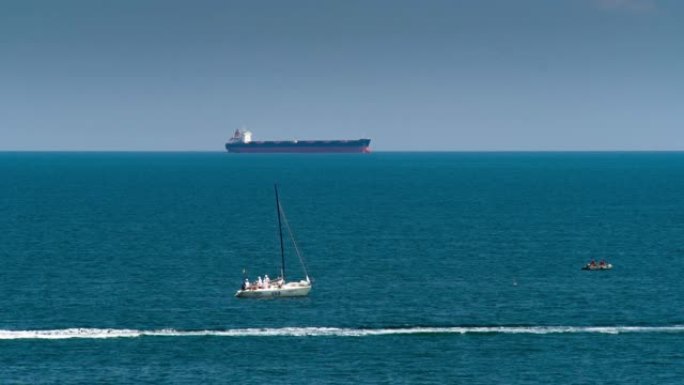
(419, 75)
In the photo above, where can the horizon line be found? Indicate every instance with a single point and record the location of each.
(372, 151)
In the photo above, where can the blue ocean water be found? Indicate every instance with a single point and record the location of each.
(427, 267)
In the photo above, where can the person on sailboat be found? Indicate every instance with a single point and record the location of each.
(260, 283)
(267, 282)
(245, 285)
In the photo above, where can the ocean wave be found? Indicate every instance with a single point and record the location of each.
(94, 333)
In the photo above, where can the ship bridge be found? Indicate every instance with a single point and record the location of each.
(242, 136)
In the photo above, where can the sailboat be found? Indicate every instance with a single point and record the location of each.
(279, 287)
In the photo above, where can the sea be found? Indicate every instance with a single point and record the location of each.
(427, 268)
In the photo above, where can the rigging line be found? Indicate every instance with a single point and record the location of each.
(294, 242)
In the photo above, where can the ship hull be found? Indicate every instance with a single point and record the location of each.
(302, 146)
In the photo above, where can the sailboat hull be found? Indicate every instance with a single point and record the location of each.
(292, 289)
(607, 266)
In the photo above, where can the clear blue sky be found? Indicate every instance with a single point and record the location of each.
(411, 75)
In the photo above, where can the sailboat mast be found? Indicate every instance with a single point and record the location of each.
(280, 232)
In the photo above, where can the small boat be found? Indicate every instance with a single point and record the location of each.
(597, 266)
(279, 287)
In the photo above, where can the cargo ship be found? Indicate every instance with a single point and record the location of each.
(242, 142)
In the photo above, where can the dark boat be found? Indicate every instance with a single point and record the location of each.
(242, 142)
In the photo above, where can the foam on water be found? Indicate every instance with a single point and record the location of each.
(94, 333)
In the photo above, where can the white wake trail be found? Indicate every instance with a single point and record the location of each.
(94, 333)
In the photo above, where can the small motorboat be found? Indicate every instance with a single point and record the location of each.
(597, 266)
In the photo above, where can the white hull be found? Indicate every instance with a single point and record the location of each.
(290, 289)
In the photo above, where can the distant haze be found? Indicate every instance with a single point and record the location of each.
(410, 75)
